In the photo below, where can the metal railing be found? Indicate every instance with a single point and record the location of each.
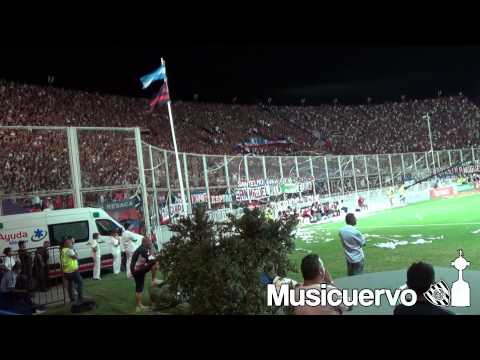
(42, 280)
(88, 164)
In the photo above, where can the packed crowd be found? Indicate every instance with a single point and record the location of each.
(39, 160)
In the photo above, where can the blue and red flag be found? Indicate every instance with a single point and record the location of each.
(159, 74)
(163, 96)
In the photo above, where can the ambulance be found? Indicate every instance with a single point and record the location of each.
(54, 225)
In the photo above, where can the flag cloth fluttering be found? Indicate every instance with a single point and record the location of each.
(162, 97)
(159, 74)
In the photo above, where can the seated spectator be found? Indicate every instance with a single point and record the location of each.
(420, 277)
(267, 277)
(14, 298)
(314, 275)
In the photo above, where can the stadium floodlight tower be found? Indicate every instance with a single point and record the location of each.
(427, 117)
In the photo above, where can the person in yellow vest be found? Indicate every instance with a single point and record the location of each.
(269, 214)
(69, 260)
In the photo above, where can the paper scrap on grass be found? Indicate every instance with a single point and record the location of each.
(391, 244)
(421, 242)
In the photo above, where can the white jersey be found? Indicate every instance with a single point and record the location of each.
(128, 242)
(94, 247)
(9, 262)
(114, 245)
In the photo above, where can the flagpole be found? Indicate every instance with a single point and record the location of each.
(177, 158)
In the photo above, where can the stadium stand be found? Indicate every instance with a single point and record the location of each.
(207, 129)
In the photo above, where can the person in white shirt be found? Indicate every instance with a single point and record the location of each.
(353, 241)
(96, 255)
(116, 251)
(9, 261)
(128, 246)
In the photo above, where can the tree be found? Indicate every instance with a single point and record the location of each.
(217, 267)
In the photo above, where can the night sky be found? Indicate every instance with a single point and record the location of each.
(254, 72)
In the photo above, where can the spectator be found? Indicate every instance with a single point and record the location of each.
(26, 262)
(40, 266)
(420, 277)
(362, 204)
(353, 242)
(143, 262)
(267, 276)
(393, 127)
(314, 275)
(14, 298)
(9, 260)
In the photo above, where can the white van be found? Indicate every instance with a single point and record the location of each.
(53, 225)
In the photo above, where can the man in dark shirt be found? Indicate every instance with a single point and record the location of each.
(420, 278)
(143, 260)
(26, 261)
(40, 266)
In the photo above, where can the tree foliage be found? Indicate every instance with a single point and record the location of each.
(217, 267)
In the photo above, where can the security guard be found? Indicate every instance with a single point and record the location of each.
(69, 260)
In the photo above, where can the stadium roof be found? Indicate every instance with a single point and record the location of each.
(254, 72)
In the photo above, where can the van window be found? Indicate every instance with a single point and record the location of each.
(105, 227)
(79, 231)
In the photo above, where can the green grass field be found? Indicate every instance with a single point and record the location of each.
(445, 224)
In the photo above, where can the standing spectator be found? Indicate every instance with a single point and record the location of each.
(143, 262)
(37, 203)
(70, 202)
(420, 277)
(58, 202)
(353, 242)
(116, 251)
(361, 203)
(96, 256)
(402, 194)
(40, 266)
(391, 196)
(9, 261)
(26, 261)
(69, 260)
